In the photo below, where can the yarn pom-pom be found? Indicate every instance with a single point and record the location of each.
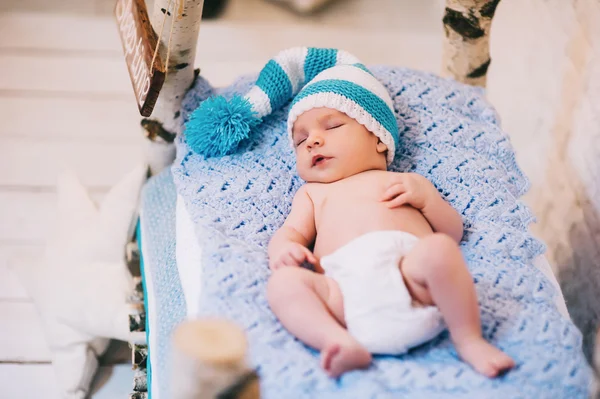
(218, 125)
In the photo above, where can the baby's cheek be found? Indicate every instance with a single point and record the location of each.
(298, 160)
(301, 166)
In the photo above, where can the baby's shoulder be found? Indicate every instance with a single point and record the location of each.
(311, 188)
(314, 191)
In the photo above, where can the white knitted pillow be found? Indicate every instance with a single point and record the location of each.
(81, 286)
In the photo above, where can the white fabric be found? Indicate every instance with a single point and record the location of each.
(357, 76)
(81, 287)
(378, 308)
(344, 57)
(292, 63)
(261, 103)
(188, 255)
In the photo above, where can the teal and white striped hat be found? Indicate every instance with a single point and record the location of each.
(311, 78)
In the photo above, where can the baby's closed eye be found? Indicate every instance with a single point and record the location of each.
(333, 124)
(299, 141)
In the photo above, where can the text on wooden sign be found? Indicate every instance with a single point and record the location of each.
(139, 42)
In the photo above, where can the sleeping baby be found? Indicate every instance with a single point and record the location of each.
(388, 272)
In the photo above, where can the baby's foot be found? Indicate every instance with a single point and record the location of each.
(336, 358)
(485, 358)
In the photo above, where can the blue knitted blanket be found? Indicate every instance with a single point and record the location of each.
(450, 135)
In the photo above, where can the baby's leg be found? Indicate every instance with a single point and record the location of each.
(435, 273)
(310, 306)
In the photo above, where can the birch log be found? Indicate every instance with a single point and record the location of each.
(181, 25)
(466, 52)
(303, 6)
(209, 362)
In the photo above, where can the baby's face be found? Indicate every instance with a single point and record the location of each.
(331, 146)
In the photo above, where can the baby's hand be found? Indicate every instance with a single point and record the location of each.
(291, 254)
(409, 188)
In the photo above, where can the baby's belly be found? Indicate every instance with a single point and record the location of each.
(340, 224)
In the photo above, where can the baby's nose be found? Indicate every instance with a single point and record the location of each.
(315, 141)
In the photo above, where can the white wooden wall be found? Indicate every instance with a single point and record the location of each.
(64, 103)
(545, 82)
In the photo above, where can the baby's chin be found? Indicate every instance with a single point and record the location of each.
(329, 176)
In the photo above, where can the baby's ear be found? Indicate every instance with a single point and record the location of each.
(381, 148)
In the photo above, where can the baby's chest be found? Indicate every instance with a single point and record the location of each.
(353, 192)
(351, 202)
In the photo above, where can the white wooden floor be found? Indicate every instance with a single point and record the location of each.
(66, 102)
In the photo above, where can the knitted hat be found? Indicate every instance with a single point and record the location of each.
(313, 78)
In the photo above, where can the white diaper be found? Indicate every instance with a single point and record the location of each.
(377, 305)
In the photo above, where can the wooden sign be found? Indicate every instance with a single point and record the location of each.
(139, 42)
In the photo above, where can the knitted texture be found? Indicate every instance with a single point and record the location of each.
(451, 136)
(317, 60)
(312, 78)
(157, 220)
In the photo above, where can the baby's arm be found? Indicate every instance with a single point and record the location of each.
(289, 245)
(415, 190)
(442, 217)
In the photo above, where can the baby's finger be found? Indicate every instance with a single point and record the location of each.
(393, 191)
(398, 201)
(310, 256)
(298, 254)
(290, 260)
